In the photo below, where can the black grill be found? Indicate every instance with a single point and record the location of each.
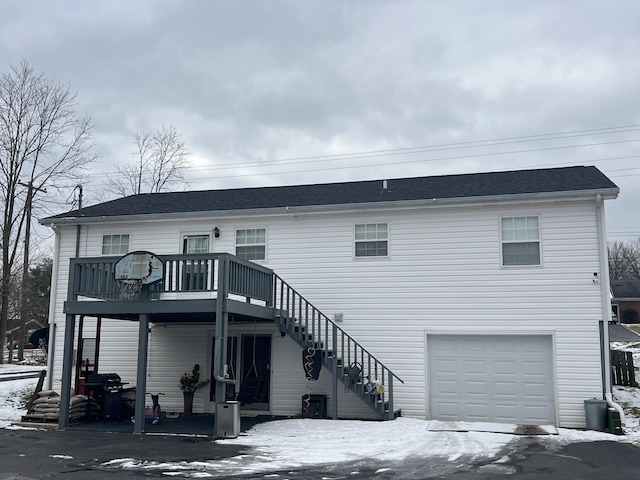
(107, 391)
(110, 382)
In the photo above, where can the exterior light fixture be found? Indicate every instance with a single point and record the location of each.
(216, 232)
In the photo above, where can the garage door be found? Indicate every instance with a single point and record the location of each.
(491, 378)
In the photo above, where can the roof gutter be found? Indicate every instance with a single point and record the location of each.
(293, 210)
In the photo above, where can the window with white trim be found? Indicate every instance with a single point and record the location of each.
(196, 272)
(372, 240)
(195, 244)
(520, 238)
(115, 244)
(251, 243)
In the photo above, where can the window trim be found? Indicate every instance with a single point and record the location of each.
(355, 241)
(102, 244)
(265, 244)
(185, 235)
(503, 241)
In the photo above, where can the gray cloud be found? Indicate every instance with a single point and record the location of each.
(253, 82)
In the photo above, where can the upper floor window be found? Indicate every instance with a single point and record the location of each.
(195, 275)
(251, 243)
(520, 240)
(115, 244)
(195, 244)
(372, 240)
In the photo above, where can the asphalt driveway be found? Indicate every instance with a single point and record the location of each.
(37, 454)
(620, 333)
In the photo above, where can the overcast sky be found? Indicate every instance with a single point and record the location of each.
(277, 92)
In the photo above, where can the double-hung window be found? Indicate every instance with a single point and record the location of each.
(251, 243)
(115, 244)
(372, 240)
(195, 273)
(520, 240)
(195, 244)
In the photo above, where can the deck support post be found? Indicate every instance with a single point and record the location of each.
(141, 380)
(334, 386)
(391, 414)
(67, 366)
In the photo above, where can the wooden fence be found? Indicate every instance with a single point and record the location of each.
(622, 369)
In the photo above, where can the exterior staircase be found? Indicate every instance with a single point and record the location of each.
(348, 361)
(260, 293)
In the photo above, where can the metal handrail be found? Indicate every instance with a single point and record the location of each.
(287, 303)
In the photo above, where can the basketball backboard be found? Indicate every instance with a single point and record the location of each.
(139, 266)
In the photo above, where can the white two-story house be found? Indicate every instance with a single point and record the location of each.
(480, 297)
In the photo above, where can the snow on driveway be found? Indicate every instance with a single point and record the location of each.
(300, 443)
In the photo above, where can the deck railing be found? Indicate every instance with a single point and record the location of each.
(94, 278)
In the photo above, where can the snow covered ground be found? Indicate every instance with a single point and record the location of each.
(629, 397)
(279, 445)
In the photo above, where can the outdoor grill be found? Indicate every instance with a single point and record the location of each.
(109, 382)
(106, 389)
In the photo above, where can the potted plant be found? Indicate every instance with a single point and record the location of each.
(189, 383)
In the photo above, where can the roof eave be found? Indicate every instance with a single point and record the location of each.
(605, 193)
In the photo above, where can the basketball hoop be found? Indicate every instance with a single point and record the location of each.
(136, 269)
(130, 288)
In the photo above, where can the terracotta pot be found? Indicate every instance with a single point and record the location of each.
(188, 403)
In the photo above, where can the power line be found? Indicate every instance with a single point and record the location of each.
(418, 149)
(456, 157)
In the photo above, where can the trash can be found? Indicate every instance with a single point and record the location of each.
(227, 420)
(595, 412)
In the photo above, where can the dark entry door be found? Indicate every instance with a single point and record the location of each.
(256, 372)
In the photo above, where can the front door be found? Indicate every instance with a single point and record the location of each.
(255, 381)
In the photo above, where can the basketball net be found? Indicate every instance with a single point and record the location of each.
(130, 288)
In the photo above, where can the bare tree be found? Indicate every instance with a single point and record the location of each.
(624, 260)
(616, 260)
(159, 163)
(43, 143)
(633, 259)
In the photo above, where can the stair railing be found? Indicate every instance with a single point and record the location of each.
(309, 327)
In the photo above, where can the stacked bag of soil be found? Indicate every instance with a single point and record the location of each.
(81, 406)
(46, 407)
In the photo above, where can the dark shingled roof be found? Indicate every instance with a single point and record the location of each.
(399, 189)
(625, 288)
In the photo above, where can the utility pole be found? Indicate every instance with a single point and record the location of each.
(26, 288)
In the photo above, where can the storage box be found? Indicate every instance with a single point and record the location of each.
(316, 408)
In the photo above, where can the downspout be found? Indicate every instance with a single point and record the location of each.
(606, 305)
(220, 346)
(51, 342)
(78, 228)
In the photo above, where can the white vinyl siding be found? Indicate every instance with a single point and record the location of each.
(251, 243)
(115, 244)
(520, 240)
(372, 240)
(442, 257)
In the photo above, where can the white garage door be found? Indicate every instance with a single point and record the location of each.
(491, 378)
